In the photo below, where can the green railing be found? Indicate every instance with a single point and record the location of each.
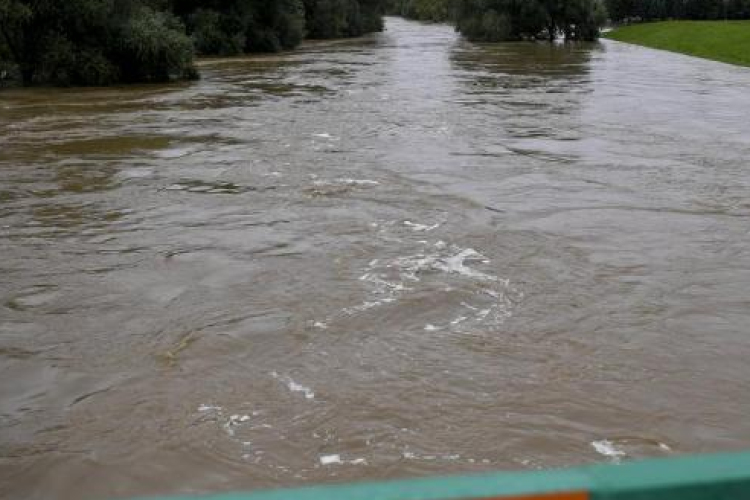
(709, 477)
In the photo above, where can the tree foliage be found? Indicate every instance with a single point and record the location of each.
(646, 10)
(497, 20)
(342, 18)
(423, 10)
(93, 42)
(99, 42)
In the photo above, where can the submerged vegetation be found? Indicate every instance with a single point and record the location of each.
(503, 20)
(718, 40)
(497, 20)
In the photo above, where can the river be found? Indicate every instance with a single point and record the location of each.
(400, 255)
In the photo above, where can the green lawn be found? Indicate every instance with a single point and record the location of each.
(725, 41)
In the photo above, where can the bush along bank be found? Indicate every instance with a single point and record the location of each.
(102, 42)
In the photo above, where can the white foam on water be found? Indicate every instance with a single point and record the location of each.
(339, 186)
(409, 455)
(205, 407)
(325, 135)
(456, 264)
(330, 460)
(431, 328)
(391, 279)
(420, 227)
(347, 182)
(176, 152)
(294, 386)
(136, 173)
(607, 448)
(358, 182)
(233, 421)
(458, 320)
(320, 324)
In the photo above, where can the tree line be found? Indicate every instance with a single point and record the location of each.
(652, 10)
(503, 20)
(101, 42)
(500, 20)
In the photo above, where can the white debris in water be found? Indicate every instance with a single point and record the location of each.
(420, 227)
(664, 447)
(330, 459)
(431, 328)
(324, 135)
(294, 386)
(607, 448)
(320, 324)
(358, 461)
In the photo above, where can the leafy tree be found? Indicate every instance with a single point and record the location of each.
(98, 42)
(425, 10)
(93, 42)
(343, 18)
(496, 20)
(647, 10)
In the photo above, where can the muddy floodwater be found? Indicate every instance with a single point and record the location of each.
(402, 255)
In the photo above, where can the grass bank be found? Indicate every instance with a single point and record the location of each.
(725, 41)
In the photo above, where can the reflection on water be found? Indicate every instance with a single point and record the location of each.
(394, 256)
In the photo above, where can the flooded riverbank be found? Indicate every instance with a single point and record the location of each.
(396, 256)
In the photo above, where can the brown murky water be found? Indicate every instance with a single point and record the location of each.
(396, 256)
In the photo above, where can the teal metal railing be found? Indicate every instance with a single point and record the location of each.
(701, 477)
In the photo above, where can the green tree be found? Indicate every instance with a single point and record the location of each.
(343, 18)
(496, 20)
(93, 42)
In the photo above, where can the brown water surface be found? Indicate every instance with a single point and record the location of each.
(395, 256)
